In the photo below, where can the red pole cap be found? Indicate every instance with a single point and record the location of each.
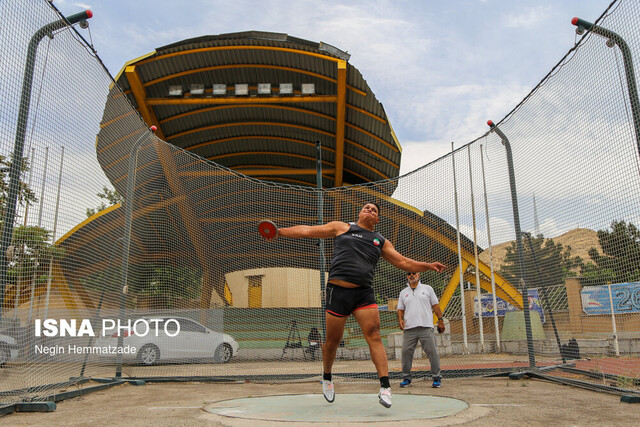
(153, 128)
(490, 122)
(89, 13)
(574, 21)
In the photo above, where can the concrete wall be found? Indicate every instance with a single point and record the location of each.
(281, 287)
(582, 325)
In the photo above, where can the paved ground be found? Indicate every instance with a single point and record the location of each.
(492, 401)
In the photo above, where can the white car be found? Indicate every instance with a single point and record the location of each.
(173, 339)
(9, 349)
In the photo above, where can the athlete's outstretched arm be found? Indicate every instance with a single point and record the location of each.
(407, 264)
(325, 231)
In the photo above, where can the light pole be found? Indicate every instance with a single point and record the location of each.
(321, 241)
(18, 148)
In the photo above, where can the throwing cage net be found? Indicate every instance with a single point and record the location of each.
(131, 258)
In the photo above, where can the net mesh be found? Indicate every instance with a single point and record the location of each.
(172, 278)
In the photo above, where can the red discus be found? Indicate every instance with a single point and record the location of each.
(268, 230)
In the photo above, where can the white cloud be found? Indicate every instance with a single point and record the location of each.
(501, 231)
(441, 73)
(552, 228)
(528, 18)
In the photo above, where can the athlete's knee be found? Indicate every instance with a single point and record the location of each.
(333, 339)
(372, 332)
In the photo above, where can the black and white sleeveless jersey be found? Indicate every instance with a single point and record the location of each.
(355, 255)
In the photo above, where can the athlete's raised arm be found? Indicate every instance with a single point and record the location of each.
(400, 261)
(325, 231)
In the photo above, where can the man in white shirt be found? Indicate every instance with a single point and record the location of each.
(416, 305)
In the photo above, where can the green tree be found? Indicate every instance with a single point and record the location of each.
(182, 282)
(31, 247)
(25, 194)
(112, 197)
(154, 279)
(546, 263)
(30, 252)
(620, 258)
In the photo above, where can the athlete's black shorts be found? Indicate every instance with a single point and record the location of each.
(341, 302)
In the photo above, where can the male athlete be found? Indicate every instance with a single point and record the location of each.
(357, 249)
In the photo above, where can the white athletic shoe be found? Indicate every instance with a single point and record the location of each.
(384, 397)
(327, 391)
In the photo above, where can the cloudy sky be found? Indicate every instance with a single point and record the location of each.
(440, 68)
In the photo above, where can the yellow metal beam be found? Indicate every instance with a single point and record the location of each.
(148, 58)
(283, 171)
(279, 153)
(299, 141)
(511, 294)
(141, 99)
(340, 121)
(190, 220)
(263, 153)
(236, 138)
(111, 225)
(224, 125)
(235, 66)
(454, 283)
(500, 290)
(245, 105)
(119, 140)
(284, 179)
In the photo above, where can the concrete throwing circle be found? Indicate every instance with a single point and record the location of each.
(346, 408)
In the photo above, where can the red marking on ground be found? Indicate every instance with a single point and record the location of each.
(628, 367)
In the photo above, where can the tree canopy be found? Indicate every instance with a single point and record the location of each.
(25, 194)
(546, 263)
(112, 197)
(620, 258)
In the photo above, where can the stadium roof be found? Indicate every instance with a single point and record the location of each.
(266, 133)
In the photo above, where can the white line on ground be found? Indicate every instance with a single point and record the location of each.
(175, 407)
(495, 404)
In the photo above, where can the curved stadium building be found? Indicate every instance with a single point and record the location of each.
(240, 112)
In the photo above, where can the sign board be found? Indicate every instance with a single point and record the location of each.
(504, 307)
(625, 296)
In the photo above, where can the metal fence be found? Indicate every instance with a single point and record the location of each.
(178, 249)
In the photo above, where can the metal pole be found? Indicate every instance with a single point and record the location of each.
(35, 273)
(614, 39)
(110, 279)
(21, 131)
(128, 219)
(44, 180)
(516, 223)
(26, 217)
(321, 241)
(475, 251)
(496, 324)
(536, 223)
(53, 238)
(465, 349)
(613, 324)
(26, 208)
(543, 294)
